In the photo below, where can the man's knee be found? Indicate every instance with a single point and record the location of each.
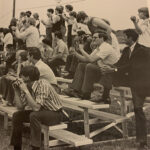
(92, 68)
(33, 116)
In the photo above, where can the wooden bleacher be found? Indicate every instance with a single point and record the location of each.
(57, 131)
(89, 109)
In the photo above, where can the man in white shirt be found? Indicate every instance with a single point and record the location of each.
(48, 25)
(30, 35)
(88, 74)
(142, 26)
(34, 56)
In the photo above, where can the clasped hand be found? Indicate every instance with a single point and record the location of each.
(106, 69)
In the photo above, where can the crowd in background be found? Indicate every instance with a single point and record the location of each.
(85, 47)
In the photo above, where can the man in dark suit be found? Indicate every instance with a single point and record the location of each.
(133, 70)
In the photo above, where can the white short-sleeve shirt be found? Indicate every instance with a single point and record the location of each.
(144, 38)
(107, 54)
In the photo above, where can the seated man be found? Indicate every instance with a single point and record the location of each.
(59, 55)
(88, 72)
(72, 60)
(44, 107)
(34, 56)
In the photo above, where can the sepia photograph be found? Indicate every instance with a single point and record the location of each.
(74, 75)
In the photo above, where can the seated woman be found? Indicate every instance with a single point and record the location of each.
(88, 72)
(44, 107)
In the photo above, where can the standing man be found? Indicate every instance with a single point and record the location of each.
(48, 25)
(31, 33)
(142, 27)
(135, 62)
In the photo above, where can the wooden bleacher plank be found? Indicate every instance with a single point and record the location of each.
(106, 116)
(8, 109)
(56, 143)
(82, 103)
(70, 138)
(56, 127)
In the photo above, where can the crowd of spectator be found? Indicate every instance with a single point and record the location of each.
(84, 47)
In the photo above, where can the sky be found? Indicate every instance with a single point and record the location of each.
(118, 12)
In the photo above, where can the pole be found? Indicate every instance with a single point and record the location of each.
(14, 8)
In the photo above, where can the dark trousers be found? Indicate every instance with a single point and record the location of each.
(55, 64)
(85, 76)
(49, 35)
(35, 119)
(69, 36)
(71, 63)
(140, 119)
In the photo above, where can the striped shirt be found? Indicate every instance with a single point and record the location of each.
(45, 95)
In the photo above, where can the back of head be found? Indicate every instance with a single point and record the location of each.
(23, 14)
(73, 13)
(145, 11)
(31, 21)
(1, 29)
(50, 10)
(59, 9)
(6, 30)
(131, 33)
(24, 55)
(69, 7)
(81, 16)
(36, 15)
(28, 13)
(30, 71)
(35, 52)
(104, 35)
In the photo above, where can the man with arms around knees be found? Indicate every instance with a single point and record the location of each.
(43, 103)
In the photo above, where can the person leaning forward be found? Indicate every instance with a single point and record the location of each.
(43, 103)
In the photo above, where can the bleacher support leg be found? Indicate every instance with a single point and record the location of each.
(86, 123)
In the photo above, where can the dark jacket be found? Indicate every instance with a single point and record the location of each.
(135, 71)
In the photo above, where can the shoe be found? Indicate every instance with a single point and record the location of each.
(143, 146)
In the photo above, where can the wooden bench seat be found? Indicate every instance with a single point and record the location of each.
(70, 138)
(82, 103)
